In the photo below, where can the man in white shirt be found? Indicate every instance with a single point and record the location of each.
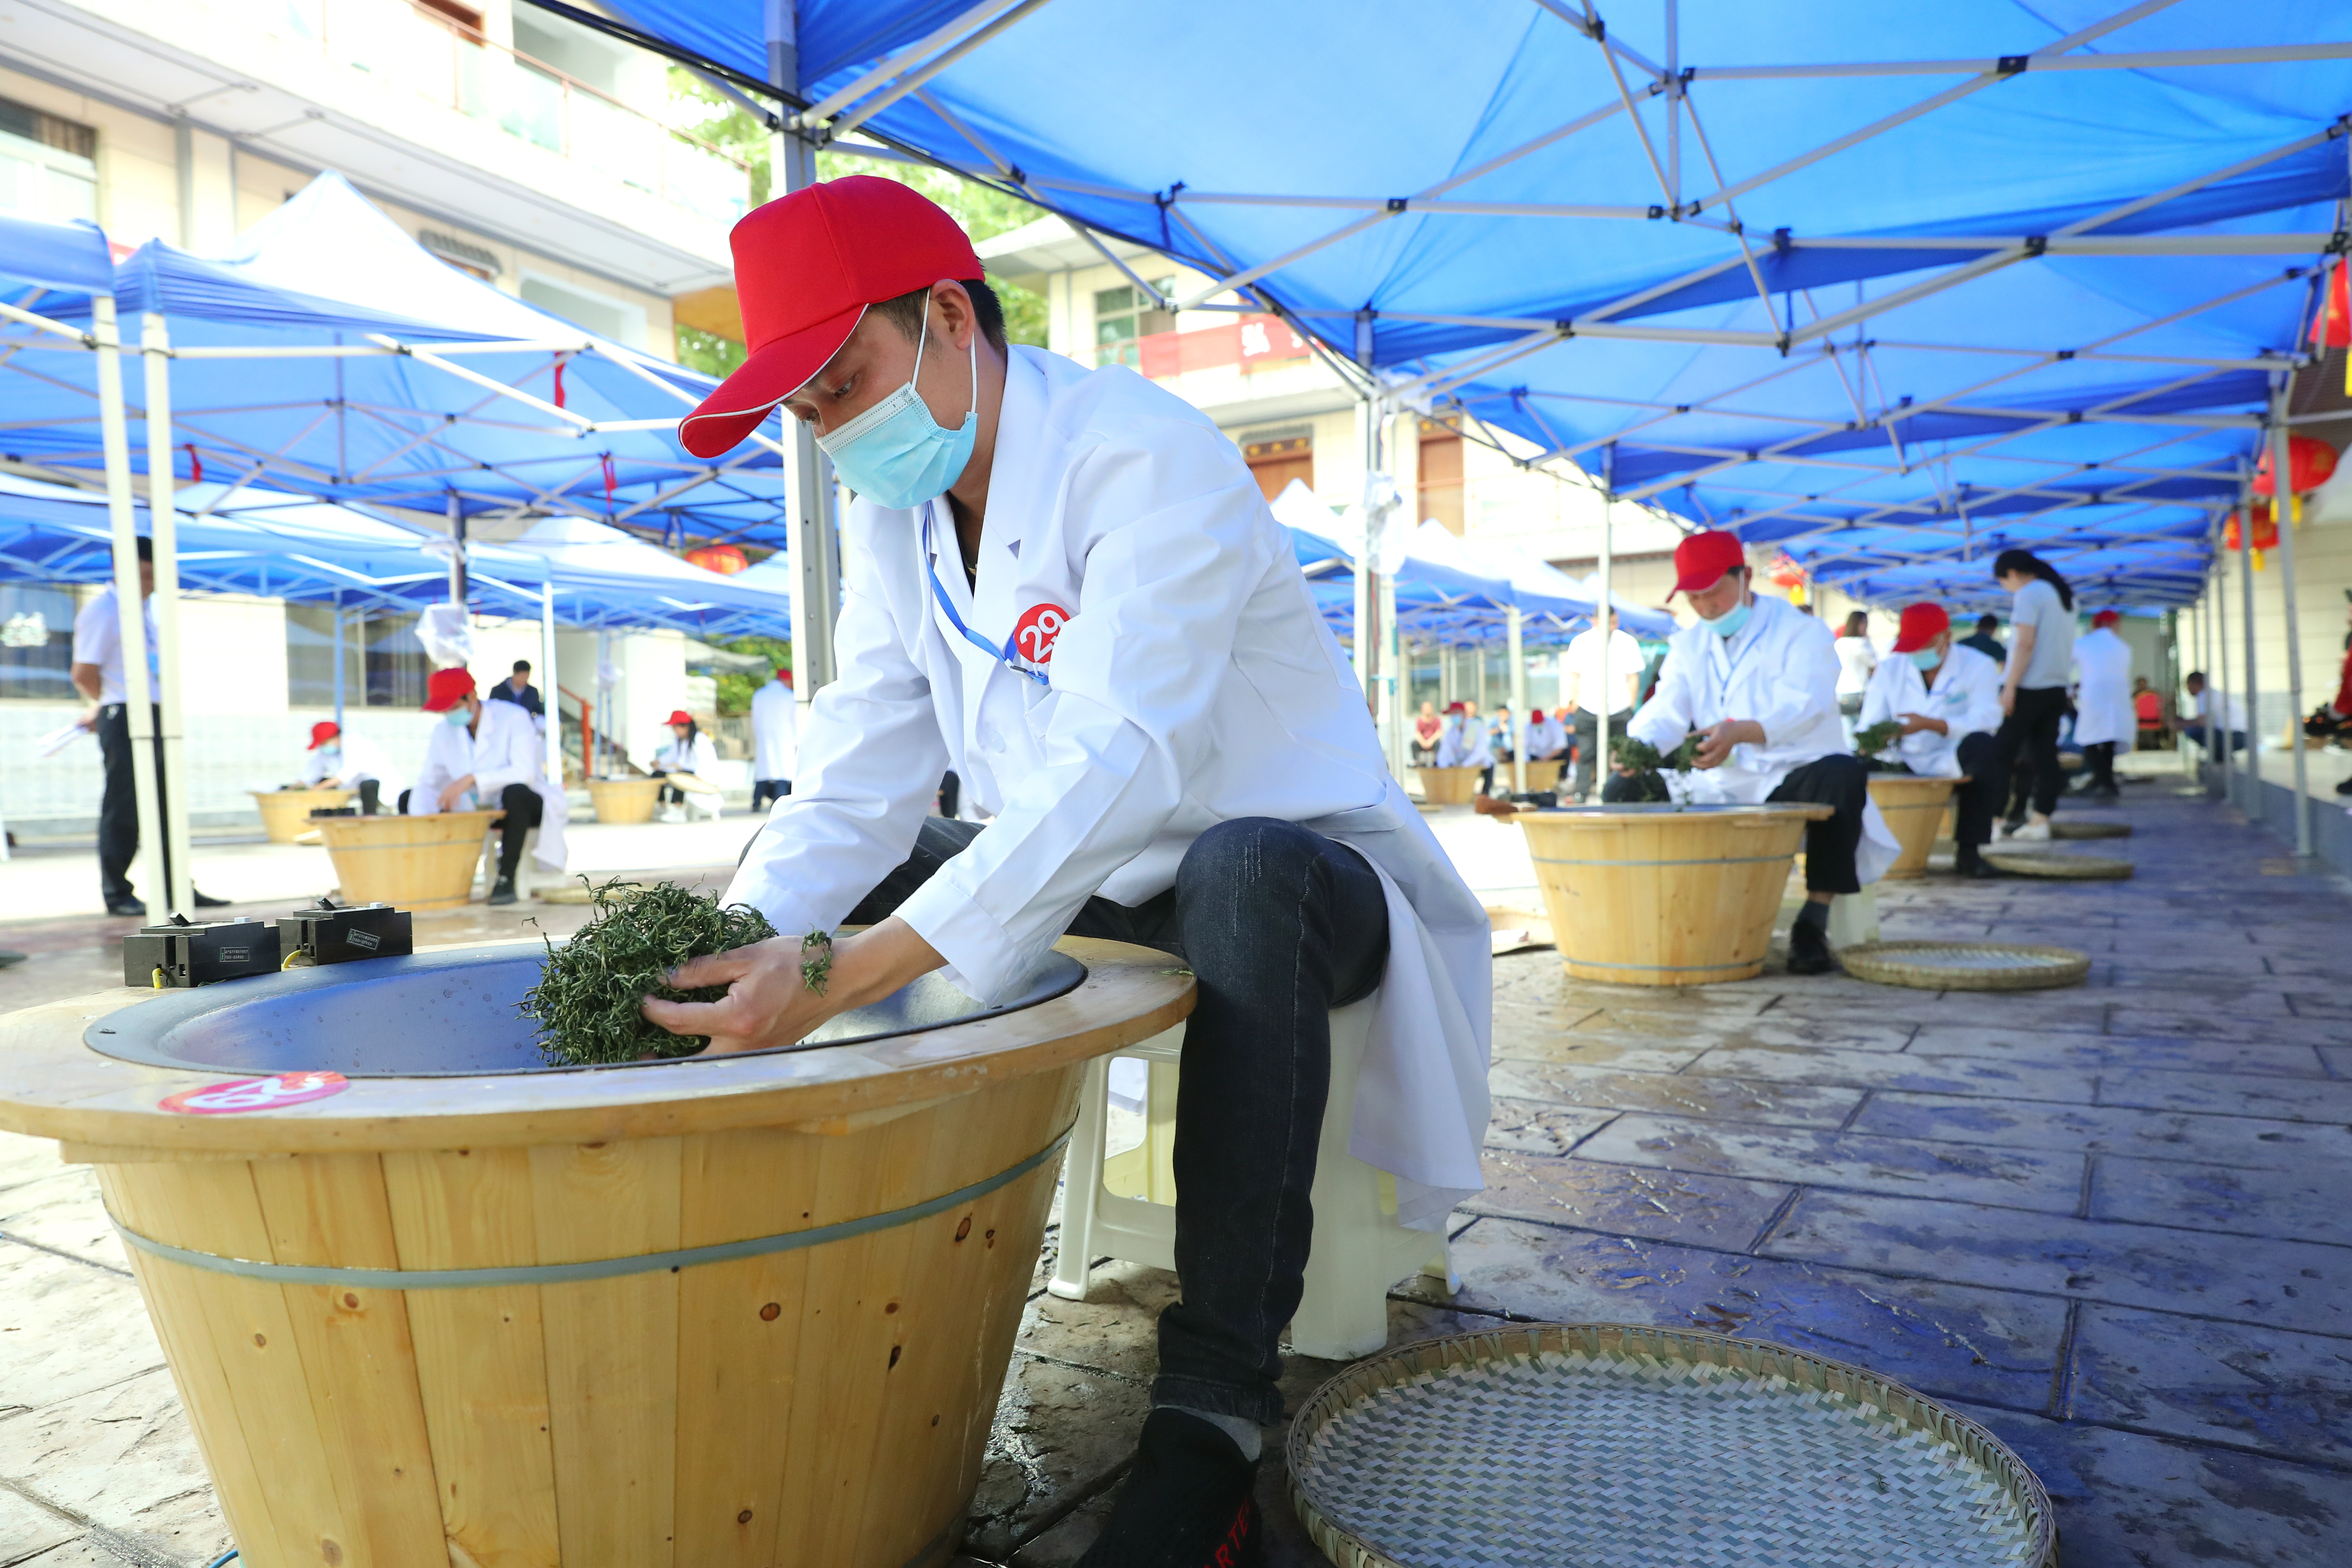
(504, 766)
(1464, 743)
(1757, 680)
(1946, 696)
(97, 674)
(2201, 729)
(349, 760)
(1064, 584)
(1581, 689)
(773, 721)
(1547, 737)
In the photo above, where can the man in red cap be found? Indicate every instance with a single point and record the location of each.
(774, 718)
(2103, 701)
(1757, 680)
(1063, 584)
(1946, 696)
(343, 760)
(488, 755)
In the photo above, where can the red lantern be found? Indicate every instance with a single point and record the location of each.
(2332, 328)
(2309, 462)
(2266, 534)
(723, 559)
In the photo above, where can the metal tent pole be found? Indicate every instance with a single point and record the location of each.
(1600, 618)
(457, 515)
(2218, 690)
(129, 603)
(1393, 691)
(808, 488)
(2252, 804)
(163, 520)
(2283, 510)
(553, 692)
(1367, 554)
(339, 659)
(1515, 633)
(604, 699)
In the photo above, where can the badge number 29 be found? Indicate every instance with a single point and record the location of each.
(1035, 634)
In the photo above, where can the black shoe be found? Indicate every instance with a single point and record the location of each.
(504, 892)
(1187, 1503)
(1974, 868)
(1808, 951)
(2344, 786)
(129, 909)
(207, 901)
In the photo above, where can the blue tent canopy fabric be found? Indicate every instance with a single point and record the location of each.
(1891, 288)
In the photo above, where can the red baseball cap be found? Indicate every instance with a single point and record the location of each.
(323, 732)
(678, 716)
(786, 676)
(2106, 618)
(1922, 624)
(806, 266)
(1702, 559)
(445, 689)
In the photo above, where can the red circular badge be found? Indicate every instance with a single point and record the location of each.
(1035, 634)
(243, 1094)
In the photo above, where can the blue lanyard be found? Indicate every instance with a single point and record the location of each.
(1003, 655)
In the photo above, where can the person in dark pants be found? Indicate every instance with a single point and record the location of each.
(2033, 683)
(97, 674)
(491, 752)
(1944, 698)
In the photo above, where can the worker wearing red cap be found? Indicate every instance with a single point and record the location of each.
(2103, 701)
(1063, 584)
(1946, 696)
(688, 752)
(489, 755)
(1757, 680)
(338, 758)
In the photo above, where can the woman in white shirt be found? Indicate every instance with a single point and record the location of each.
(2033, 685)
(689, 752)
(1857, 660)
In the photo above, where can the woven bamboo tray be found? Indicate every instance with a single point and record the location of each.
(1607, 1445)
(1965, 965)
(2067, 868)
(2091, 828)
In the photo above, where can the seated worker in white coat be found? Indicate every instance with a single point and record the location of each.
(1757, 678)
(1064, 584)
(492, 753)
(2103, 701)
(688, 751)
(1467, 743)
(341, 760)
(774, 719)
(1547, 737)
(1946, 696)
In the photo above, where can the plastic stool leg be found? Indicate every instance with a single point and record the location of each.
(1082, 1169)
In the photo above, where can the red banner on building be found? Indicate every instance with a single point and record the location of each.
(1249, 342)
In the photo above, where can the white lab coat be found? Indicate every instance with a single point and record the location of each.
(1192, 683)
(701, 758)
(506, 748)
(1780, 670)
(2103, 697)
(361, 758)
(775, 721)
(1547, 739)
(1465, 744)
(1965, 697)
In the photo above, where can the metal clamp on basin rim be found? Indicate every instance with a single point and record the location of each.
(595, 1268)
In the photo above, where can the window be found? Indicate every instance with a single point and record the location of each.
(600, 313)
(37, 642)
(47, 166)
(1439, 483)
(384, 664)
(1123, 316)
(1276, 463)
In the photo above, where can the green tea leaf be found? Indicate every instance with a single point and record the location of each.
(587, 1001)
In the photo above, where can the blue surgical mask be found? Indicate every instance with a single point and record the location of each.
(1926, 658)
(1728, 624)
(895, 454)
(331, 753)
(458, 717)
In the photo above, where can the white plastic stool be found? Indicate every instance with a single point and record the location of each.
(1358, 1252)
(1854, 918)
(525, 879)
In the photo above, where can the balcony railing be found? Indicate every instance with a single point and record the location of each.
(448, 62)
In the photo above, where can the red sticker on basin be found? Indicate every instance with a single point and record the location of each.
(243, 1094)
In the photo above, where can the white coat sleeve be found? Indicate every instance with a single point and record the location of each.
(1185, 539)
(1667, 716)
(1877, 698)
(870, 763)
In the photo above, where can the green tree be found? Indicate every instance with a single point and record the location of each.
(983, 212)
(737, 687)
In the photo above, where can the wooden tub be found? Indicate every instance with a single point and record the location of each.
(1914, 808)
(286, 813)
(1661, 895)
(1448, 786)
(748, 1311)
(624, 800)
(416, 862)
(1544, 776)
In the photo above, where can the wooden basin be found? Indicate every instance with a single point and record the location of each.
(1543, 775)
(416, 862)
(1448, 786)
(752, 1310)
(1661, 895)
(624, 800)
(1914, 808)
(286, 813)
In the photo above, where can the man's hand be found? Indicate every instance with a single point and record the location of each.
(768, 1004)
(1913, 723)
(453, 789)
(2008, 701)
(90, 719)
(1715, 742)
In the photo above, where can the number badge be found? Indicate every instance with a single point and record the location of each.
(240, 1095)
(1035, 634)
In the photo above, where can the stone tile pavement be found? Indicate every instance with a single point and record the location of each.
(2110, 1222)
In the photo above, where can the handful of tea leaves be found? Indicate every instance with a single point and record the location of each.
(587, 999)
(1878, 737)
(1647, 764)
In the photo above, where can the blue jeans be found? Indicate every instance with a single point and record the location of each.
(1279, 925)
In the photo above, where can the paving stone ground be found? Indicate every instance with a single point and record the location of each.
(2110, 1222)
